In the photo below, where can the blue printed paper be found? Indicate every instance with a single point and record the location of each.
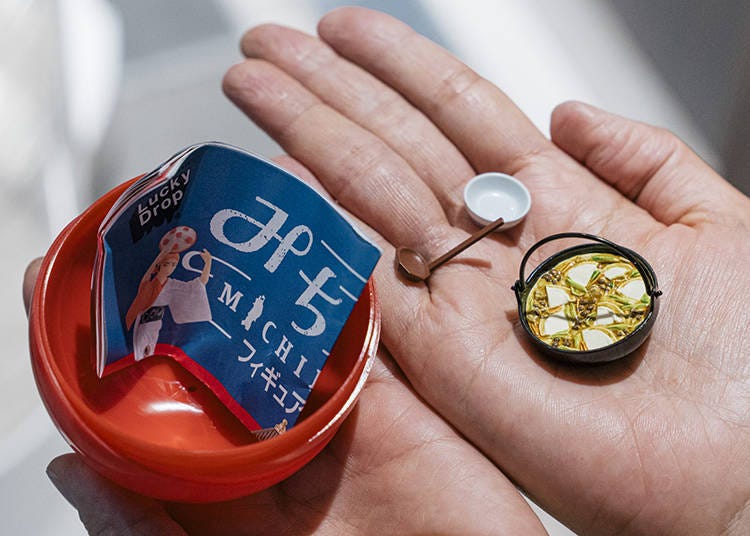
(236, 269)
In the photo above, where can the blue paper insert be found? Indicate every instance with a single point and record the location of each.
(235, 268)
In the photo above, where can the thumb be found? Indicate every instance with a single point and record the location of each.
(29, 280)
(104, 507)
(649, 165)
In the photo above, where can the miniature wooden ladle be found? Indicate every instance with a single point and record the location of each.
(416, 268)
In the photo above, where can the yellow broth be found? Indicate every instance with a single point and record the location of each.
(587, 302)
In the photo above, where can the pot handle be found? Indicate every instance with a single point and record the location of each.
(649, 278)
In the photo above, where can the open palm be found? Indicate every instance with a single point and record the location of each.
(393, 127)
(395, 467)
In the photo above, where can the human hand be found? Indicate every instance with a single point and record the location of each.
(206, 272)
(393, 127)
(160, 256)
(206, 256)
(395, 466)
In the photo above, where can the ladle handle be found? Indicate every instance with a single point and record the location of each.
(481, 233)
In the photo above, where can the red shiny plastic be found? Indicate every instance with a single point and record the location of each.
(153, 427)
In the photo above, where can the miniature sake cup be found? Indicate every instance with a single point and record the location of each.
(490, 196)
(154, 428)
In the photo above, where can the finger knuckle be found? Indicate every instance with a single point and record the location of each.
(460, 84)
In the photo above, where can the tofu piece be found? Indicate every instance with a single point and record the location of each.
(556, 296)
(633, 289)
(616, 271)
(581, 273)
(606, 316)
(554, 323)
(596, 338)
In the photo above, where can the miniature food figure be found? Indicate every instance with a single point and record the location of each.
(587, 301)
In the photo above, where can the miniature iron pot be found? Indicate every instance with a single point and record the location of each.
(610, 352)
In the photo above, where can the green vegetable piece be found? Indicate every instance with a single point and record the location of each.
(575, 286)
(605, 258)
(622, 299)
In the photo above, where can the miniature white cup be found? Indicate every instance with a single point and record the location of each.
(492, 195)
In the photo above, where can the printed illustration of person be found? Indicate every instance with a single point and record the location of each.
(187, 301)
(254, 313)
